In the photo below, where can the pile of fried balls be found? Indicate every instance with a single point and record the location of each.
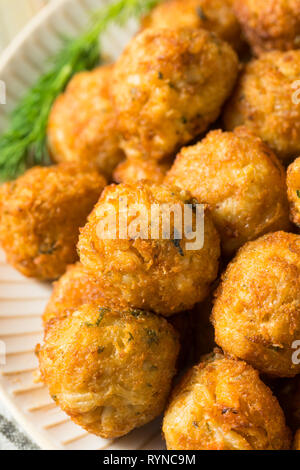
(201, 108)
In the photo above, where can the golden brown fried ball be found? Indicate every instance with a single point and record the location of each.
(82, 126)
(269, 24)
(78, 287)
(168, 87)
(41, 214)
(145, 267)
(266, 101)
(257, 307)
(110, 370)
(293, 184)
(296, 444)
(74, 289)
(133, 170)
(213, 15)
(222, 404)
(240, 179)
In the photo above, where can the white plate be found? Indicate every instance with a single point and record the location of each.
(22, 300)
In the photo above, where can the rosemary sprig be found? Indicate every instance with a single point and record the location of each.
(24, 143)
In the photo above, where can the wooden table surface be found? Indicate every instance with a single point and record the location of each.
(14, 14)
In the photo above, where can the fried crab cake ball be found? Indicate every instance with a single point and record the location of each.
(151, 261)
(266, 101)
(270, 24)
(41, 214)
(222, 404)
(213, 15)
(75, 288)
(81, 125)
(293, 184)
(133, 170)
(240, 179)
(256, 314)
(78, 287)
(110, 370)
(168, 87)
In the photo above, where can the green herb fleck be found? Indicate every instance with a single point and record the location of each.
(201, 13)
(184, 120)
(130, 337)
(136, 312)
(229, 410)
(298, 193)
(160, 75)
(102, 311)
(24, 144)
(100, 349)
(152, 337)
(176, 243)
(47, 249)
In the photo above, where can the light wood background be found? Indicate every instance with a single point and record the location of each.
(14, 14)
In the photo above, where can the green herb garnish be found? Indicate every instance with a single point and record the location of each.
(24, 144)
(152, 337)
(298, 193)
(100, 349)
(201, 14)
(102, 311)
(136, 312)
(130, 337)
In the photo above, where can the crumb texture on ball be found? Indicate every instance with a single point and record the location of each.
(222, 404)
(256, 314)
(137, 169)
(160, 271)
(82, 124)
(109, 370)
(293, 184)
(266, 101)
(269, 24)
(41, 213)
(213, 15)
(240, 179)
(75, 288)
(168, 86)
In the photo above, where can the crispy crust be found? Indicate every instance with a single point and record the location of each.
(82, 124)
(256, 314)
(75, 288)
(109, 369)
(168, 87)
(41, 215)
(152, 274)
(269, 24)
(240, 179)
(131, 171)
(213, 15)
(264, 101)
(222, 404)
